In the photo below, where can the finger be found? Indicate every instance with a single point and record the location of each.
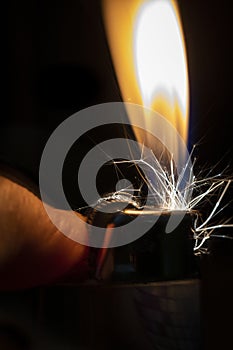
(32, 250)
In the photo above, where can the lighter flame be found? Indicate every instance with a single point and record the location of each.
(148, 51)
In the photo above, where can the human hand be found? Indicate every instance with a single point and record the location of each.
(32, 250)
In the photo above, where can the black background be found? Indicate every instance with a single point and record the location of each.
(58, 63)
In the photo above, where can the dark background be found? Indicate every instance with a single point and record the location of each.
(58, 63)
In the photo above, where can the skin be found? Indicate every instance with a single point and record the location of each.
(32, 250)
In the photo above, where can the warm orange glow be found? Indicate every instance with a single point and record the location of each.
(148, 51)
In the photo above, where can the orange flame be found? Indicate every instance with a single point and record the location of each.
(148, 50)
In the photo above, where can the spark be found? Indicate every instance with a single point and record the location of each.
(167, 194)
(170, 190)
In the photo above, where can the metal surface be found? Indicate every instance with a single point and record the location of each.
(156, 256)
